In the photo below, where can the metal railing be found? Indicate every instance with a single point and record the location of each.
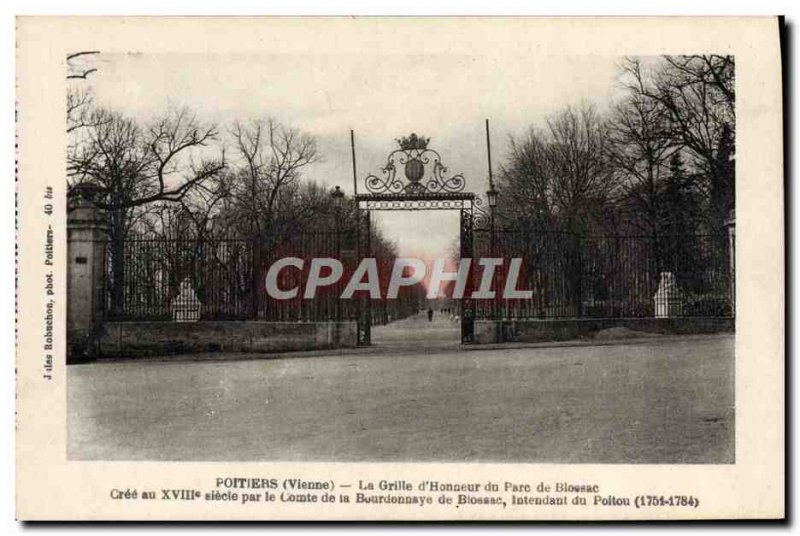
(573, 276)
(569, 276)
(159, 279)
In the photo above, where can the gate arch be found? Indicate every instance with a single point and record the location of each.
(415, 178)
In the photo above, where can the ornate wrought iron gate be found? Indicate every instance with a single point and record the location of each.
(421, 184)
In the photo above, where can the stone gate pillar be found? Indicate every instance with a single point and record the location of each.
(86, 240)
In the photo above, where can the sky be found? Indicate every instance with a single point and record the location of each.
(381, 98)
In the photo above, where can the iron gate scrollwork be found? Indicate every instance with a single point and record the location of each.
(414, 178)
(421, 168)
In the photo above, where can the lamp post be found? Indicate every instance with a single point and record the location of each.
(491, 197)
(337, 195)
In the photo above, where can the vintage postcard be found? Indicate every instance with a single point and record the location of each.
(400, 269)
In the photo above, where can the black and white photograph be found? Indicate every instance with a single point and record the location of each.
(400, 268)
(370, 270)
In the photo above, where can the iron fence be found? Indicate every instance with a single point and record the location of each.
(158, 279)
(569, 276)
(153, 278)
(573, 276)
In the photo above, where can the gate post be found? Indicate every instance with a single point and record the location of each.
(467, 304)
(730, 223)
(86, 265)
(364, 314)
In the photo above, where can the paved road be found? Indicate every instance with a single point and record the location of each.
(442, 332)
(666, 400)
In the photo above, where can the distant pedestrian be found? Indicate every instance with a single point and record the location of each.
(430, 315)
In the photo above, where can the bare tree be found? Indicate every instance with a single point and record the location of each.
(525, 183)
(79, 92)
(194, 216)
(271, 159)
(581, 176)
(137, 166)
(559, 178)
(699, 96)
(639, 148)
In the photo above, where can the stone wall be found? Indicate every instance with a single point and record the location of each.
(126, 339)
(568, 329)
